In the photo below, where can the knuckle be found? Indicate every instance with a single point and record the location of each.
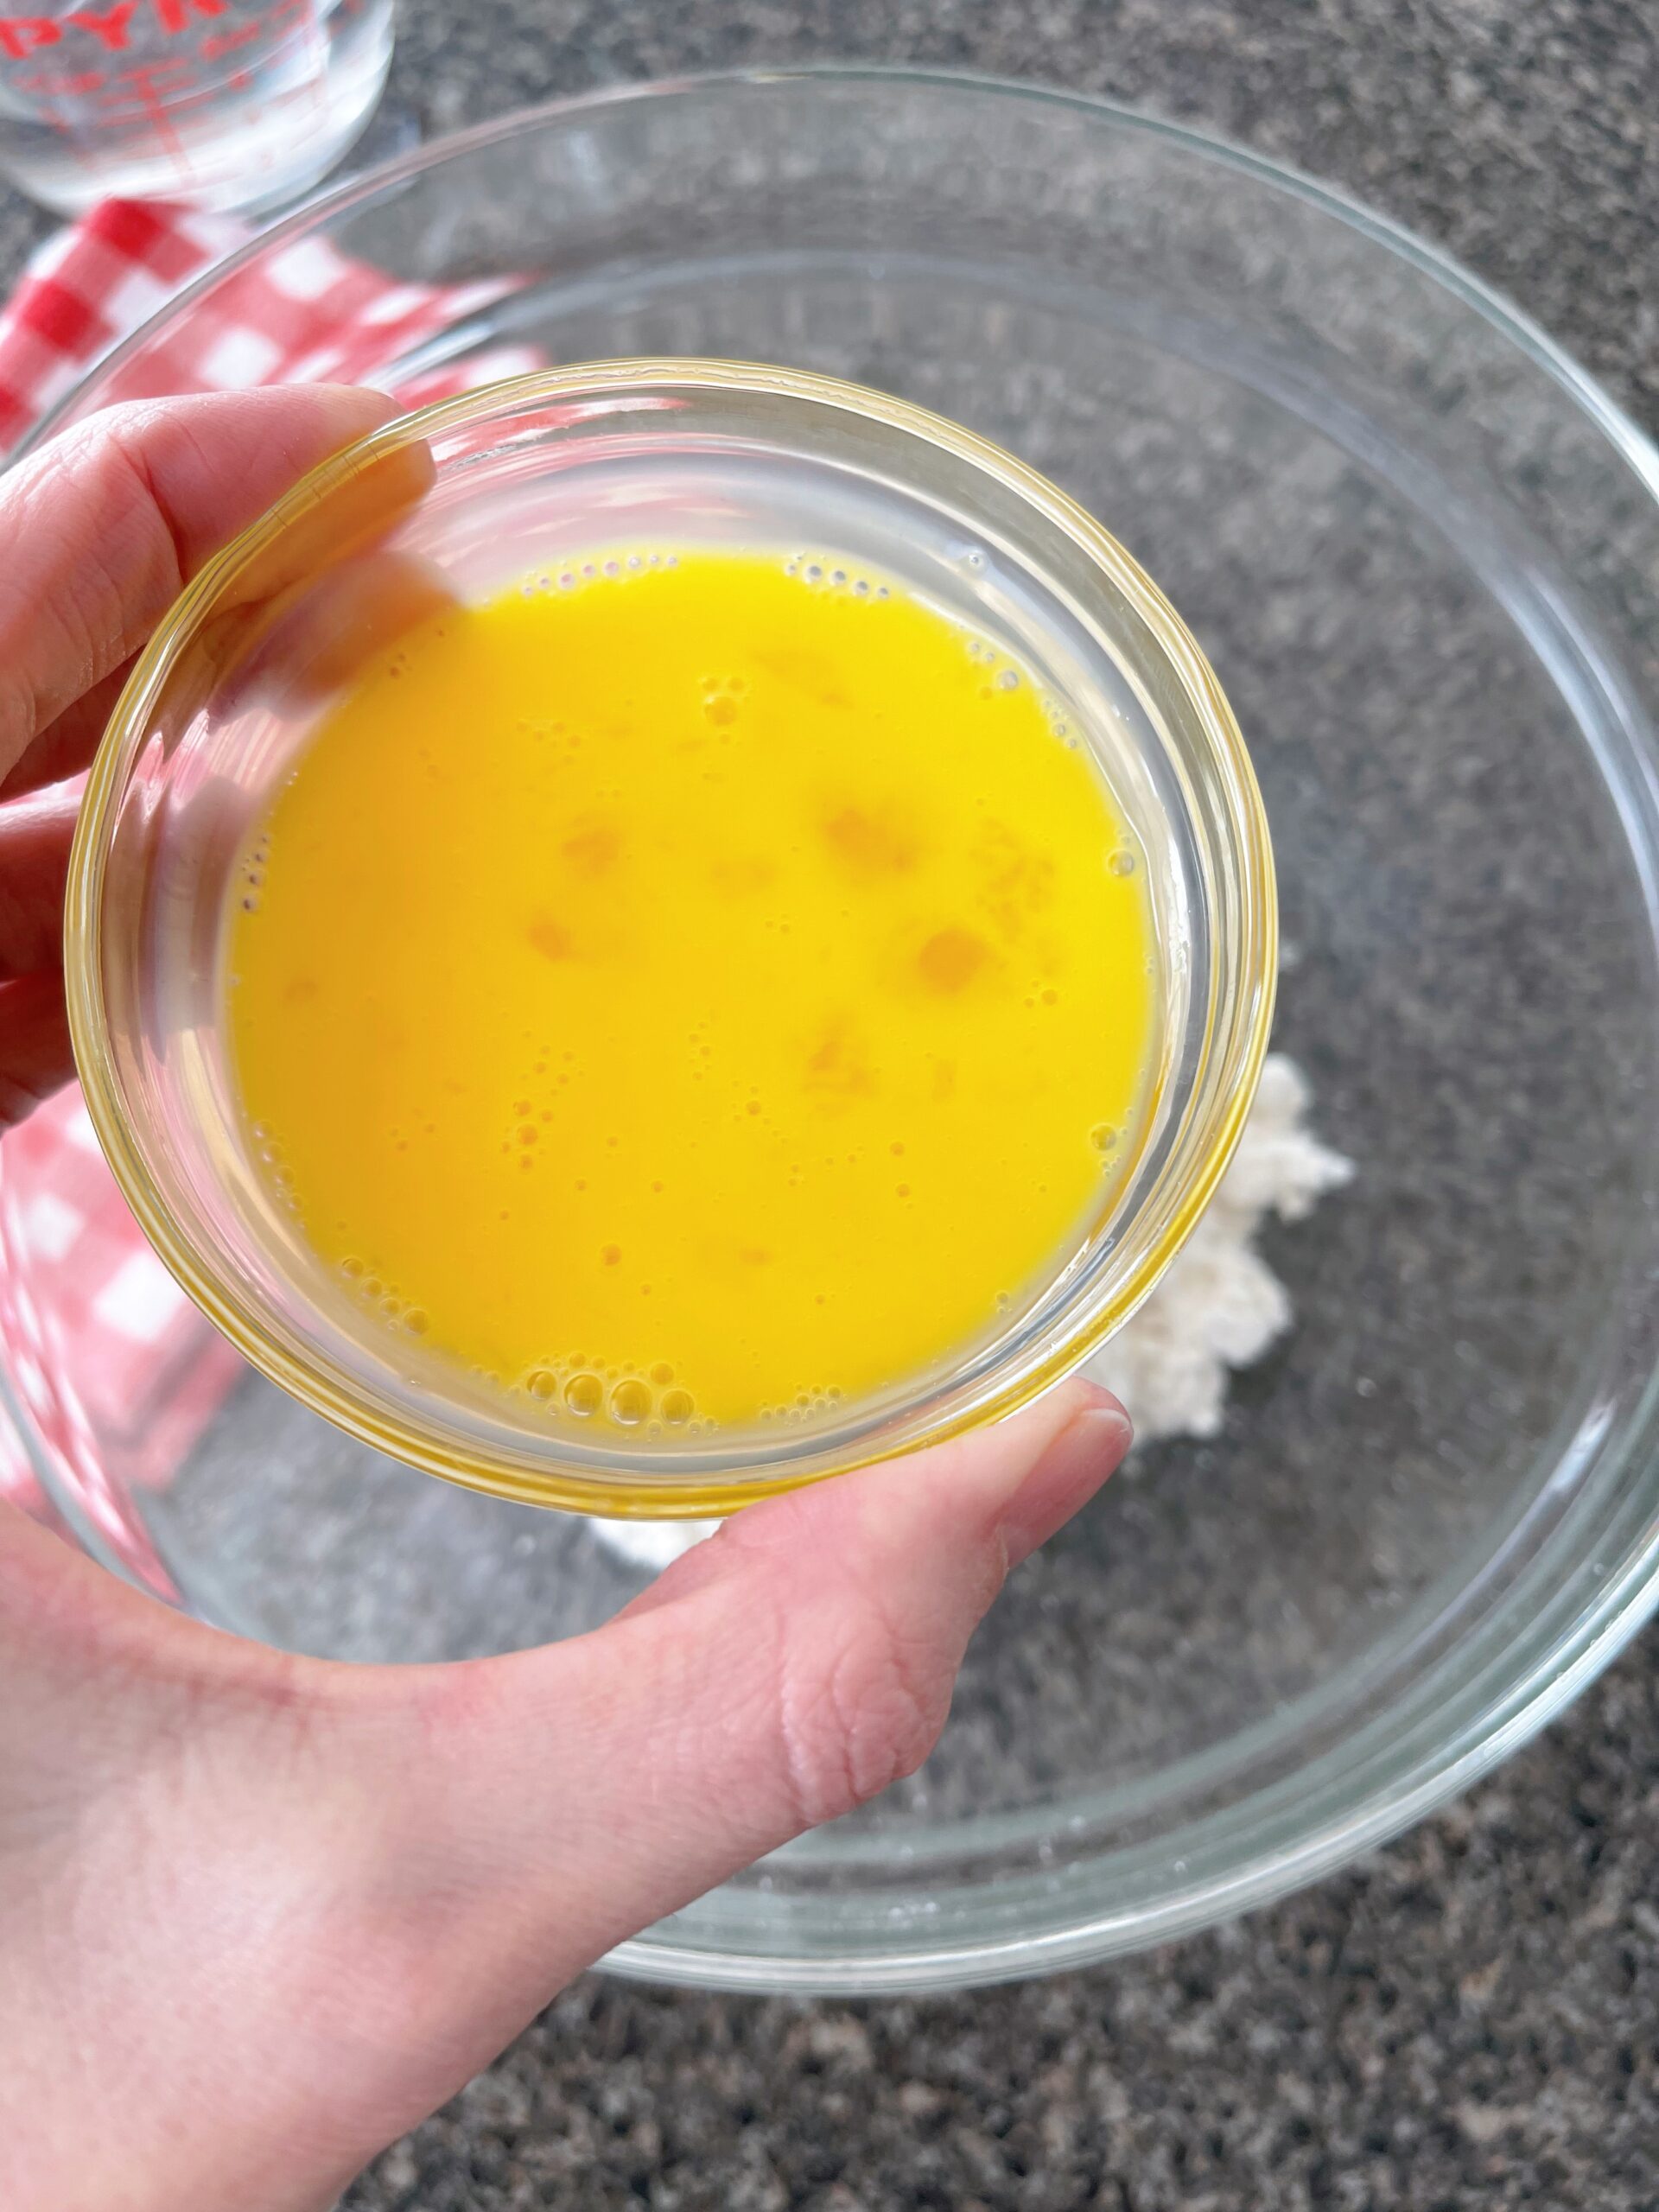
(99, 570)
(861, 1719)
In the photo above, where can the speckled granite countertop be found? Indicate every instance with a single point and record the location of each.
(1468, 2017)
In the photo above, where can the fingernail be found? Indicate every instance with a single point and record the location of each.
(1076, 1464)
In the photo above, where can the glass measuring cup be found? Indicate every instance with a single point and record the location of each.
(220, 104)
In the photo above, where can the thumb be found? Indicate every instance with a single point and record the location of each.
(780, 1674)
(796, 1663)
(320, 1898)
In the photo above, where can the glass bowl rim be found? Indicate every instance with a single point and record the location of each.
(1493, 306)
(1211, 1113)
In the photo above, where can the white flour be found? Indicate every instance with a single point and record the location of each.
(1219, 1306)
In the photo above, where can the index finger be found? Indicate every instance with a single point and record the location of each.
(104, 525)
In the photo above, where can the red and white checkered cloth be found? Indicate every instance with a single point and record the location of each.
(306, 315)
(111, 1360)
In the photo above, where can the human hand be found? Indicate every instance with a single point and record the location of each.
(259, 1914)
(101, 530)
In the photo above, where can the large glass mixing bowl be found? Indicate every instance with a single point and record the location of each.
(1422, 552)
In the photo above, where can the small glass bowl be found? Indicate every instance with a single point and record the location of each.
(474, 495)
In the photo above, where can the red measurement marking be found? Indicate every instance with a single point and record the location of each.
(218, 43)
(152, 101)
(21, 36)
(45, 86)
(143, 74)
(174, 14)
(107, 25)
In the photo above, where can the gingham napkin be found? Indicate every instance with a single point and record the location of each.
(108, 1356)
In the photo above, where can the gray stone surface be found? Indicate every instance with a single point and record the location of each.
(1469, 2019)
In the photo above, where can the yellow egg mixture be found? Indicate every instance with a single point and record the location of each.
(694, 991)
